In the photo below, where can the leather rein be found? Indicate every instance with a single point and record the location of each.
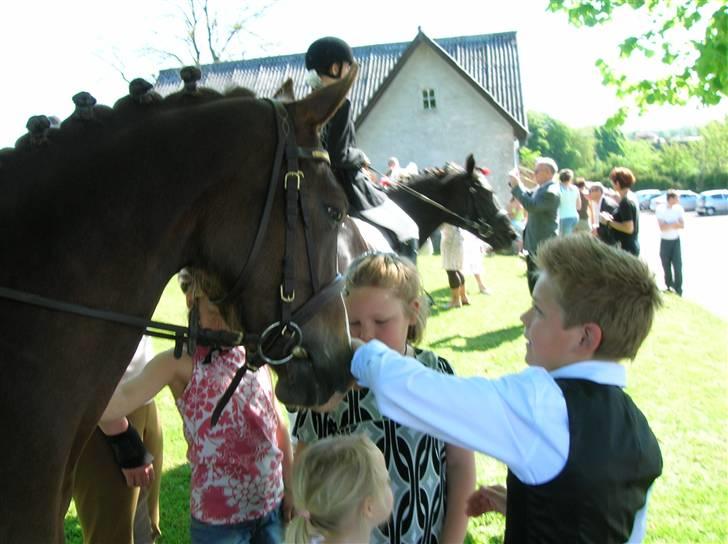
(479, 225)
(287, 330)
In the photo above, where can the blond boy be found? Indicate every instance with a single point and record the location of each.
(581, 457)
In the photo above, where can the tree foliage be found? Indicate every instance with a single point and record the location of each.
(608, 141)
(698, 164)
(551, 138)
(698, 68)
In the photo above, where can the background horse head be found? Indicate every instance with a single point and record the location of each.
(465, 193)
(102, 211)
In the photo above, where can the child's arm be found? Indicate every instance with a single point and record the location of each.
(162, 370)
(460, 484)
(520, 419)
(129, 452)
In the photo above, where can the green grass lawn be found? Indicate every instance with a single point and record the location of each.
(679, 380)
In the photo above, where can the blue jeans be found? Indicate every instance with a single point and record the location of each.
(265, 530)
(566, 225)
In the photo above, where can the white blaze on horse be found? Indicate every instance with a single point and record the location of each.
(97, 215)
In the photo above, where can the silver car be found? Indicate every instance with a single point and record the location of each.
(712, 202)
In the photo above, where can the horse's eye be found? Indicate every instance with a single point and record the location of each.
(335, 214)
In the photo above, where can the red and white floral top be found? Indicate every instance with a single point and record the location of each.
(236, 466)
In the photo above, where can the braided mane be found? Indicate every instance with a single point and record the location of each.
(92, 122)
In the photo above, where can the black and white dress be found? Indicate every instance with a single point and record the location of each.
(416, 461)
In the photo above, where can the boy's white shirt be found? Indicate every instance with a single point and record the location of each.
(520, 417)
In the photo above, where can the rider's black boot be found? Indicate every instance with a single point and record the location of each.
(409, 248)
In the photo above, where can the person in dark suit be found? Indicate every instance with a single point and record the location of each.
(542, 205)
(601, 203)
(328, 60)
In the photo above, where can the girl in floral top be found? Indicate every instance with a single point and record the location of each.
(431, 480)
(238, 466)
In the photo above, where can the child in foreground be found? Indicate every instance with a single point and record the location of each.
(581, 456)
(340, 490)
(238, 467)
(431, 479)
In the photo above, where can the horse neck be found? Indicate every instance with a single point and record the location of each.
(427, 217)
(107, 229)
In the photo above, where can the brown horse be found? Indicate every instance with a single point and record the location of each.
(102, 211)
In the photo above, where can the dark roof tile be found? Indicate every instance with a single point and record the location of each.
(491, 60)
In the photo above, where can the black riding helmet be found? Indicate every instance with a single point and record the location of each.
(326, 51)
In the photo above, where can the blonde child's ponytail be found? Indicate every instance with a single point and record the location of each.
(331, 480)
(298, 531)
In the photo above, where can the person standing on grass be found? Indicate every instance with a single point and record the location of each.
(542, 205)
(569, 202)
(237, 491)
(115, 489)
(624, 224)
(581, 456)
(584, 223)
(431, 479)
(452, 251)
(671, 219)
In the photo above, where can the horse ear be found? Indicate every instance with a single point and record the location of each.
(470, 164)
(320, 105)
(285, 92)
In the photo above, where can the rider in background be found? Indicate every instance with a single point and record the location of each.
(328, 60)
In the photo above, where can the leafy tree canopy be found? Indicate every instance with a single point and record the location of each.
(698, 69)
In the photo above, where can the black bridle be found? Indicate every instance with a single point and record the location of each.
(475, 222)
(286, 332)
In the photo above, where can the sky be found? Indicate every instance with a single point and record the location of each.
(52, 49)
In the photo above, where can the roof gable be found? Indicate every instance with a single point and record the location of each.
(489, 62)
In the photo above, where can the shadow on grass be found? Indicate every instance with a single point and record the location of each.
(439, 299)
(174, 509)
(482, 342)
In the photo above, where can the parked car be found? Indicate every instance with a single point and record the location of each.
(712, 202)
(688, 200)
(645, 195)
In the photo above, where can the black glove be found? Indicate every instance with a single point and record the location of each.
(128, 449)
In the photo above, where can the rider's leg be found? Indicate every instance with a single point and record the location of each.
(408, 249)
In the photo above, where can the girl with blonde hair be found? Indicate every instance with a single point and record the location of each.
(385, 301)
(340, 490)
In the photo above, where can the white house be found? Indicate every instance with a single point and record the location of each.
(425, 101)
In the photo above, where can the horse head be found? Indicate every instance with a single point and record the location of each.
(491, 220)
(311, 363)
(461, 197)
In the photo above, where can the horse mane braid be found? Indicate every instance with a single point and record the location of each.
(91, 121)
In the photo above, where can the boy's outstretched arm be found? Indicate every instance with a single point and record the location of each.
(519, 419)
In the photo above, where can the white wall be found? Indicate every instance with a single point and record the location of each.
(463, 122)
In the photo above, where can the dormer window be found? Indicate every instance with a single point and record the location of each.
(428, 99)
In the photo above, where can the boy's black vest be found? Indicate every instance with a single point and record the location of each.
(613, 460)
